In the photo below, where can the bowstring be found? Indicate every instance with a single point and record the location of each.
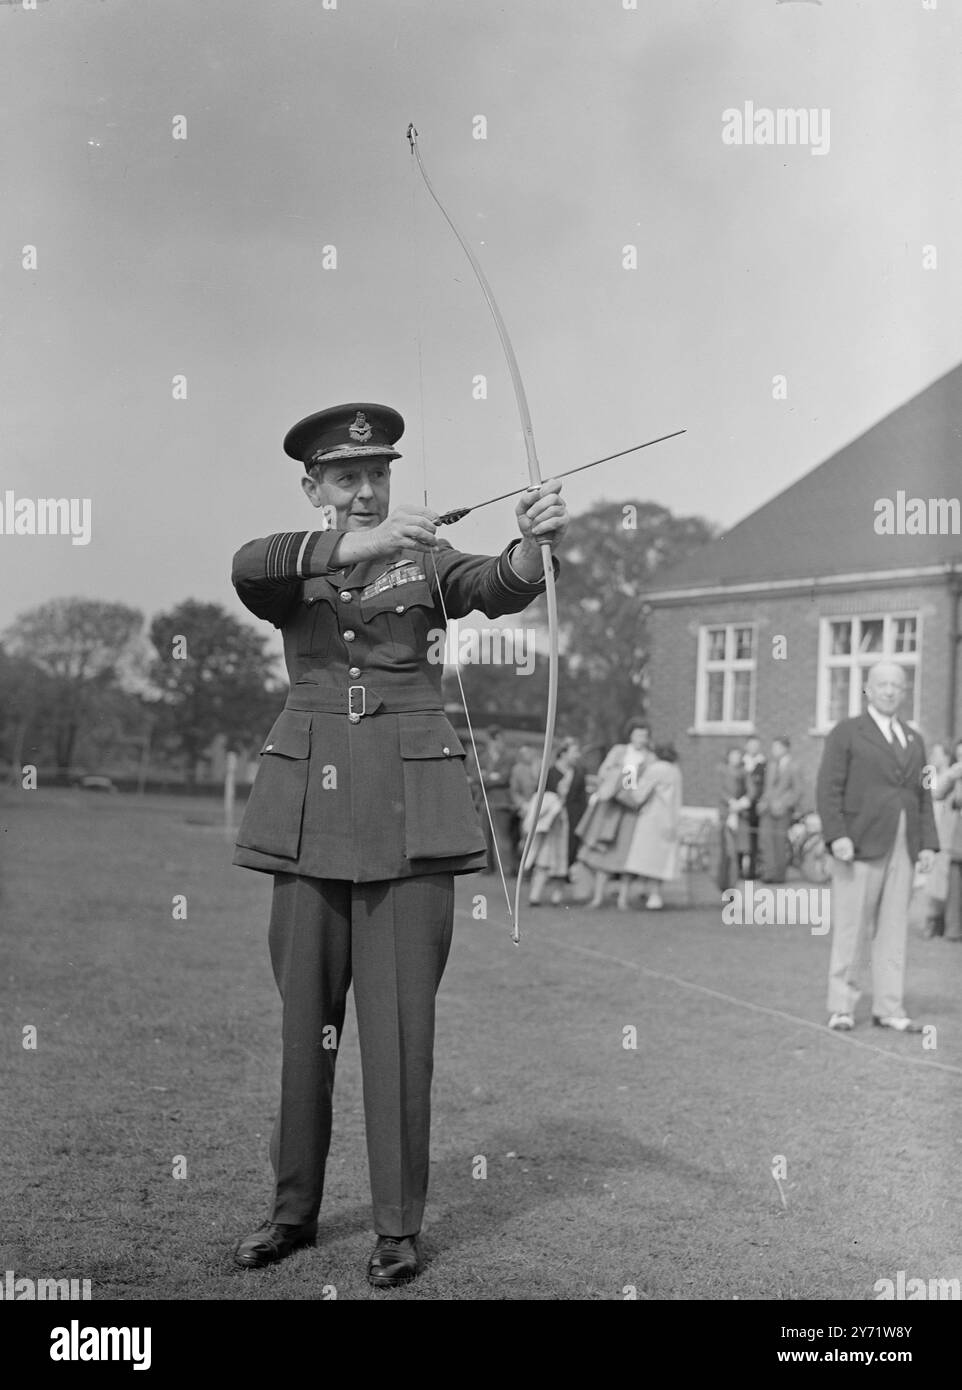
(434, 564)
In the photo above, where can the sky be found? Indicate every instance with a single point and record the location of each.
(203, 257)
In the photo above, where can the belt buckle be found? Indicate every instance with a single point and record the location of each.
(352, 714)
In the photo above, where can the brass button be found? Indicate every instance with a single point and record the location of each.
(400, 608)
(309, 600)
(346, 596)
(349, 635)
(268, 748)
(446, 752)
(354, 672)
(354, 718)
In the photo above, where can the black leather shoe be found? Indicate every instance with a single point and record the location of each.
(394, 1261)
(272, 1242)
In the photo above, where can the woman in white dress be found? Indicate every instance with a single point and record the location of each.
(607, 827)
(653, 853)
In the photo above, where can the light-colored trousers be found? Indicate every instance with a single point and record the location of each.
(870, 914)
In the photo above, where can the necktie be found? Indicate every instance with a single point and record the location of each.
(899, 742)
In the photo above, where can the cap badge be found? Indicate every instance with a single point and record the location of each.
(360, 431)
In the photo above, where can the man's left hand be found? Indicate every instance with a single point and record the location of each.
(926, 860)
(542, 515)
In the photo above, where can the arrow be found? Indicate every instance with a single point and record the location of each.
(449, 518)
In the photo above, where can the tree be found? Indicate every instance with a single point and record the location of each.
(613, 554)
(26, 702)
(616, 553)
(84, 648)
(215, 676)
(498, 692)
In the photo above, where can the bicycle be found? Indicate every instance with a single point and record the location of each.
(809, 853)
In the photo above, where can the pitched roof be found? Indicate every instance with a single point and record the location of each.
(825, 523)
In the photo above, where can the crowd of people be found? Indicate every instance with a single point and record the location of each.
(944, 890)
(759, 798)
(621, 822)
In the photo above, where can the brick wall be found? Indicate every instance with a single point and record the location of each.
(786, 689)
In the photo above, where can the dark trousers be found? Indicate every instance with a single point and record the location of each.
(773, 847)
(392, 939)
(953, 902)
(507, 826)
(728, 866)
(750, 860)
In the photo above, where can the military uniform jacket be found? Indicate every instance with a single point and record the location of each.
(362, 776)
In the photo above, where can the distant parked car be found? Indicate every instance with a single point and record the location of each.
(95, 784)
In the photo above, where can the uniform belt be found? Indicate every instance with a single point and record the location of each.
(358, 700)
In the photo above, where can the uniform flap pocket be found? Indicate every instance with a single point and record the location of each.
(428, 736)
(290, 736)
(318, 589)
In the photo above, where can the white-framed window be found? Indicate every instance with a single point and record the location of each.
(727, 664)
(849, 646)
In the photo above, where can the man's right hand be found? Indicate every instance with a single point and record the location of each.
(404, 529)
(843, 850)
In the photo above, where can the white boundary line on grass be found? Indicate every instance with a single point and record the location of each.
(819, 1028)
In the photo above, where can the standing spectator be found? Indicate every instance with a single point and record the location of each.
(948, 792)
(548, 855)
(522, 786)
(730, 800)
(608, 824)
(753, 765)
(576, 802)
(777, 809)
(937, 884)
(877, 821)
(496, 764)
(653, 853)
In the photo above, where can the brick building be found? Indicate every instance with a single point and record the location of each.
(770, 628)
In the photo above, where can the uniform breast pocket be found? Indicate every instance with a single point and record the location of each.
(275, 809)
(315, 619)
(404, 617)
(439, 816)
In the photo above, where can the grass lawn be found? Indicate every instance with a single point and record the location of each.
(607, 1166)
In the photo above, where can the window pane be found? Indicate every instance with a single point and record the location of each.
(871, 635)
(744, 643)
(905, 635)
(839, 684)
(716, 644)
(715, 710)
(742, 696)
(841, 639)
(907, 707)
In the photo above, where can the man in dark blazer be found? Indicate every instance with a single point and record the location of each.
(877, 820)
(361, 809)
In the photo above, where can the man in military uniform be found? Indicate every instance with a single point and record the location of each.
(361, 809)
